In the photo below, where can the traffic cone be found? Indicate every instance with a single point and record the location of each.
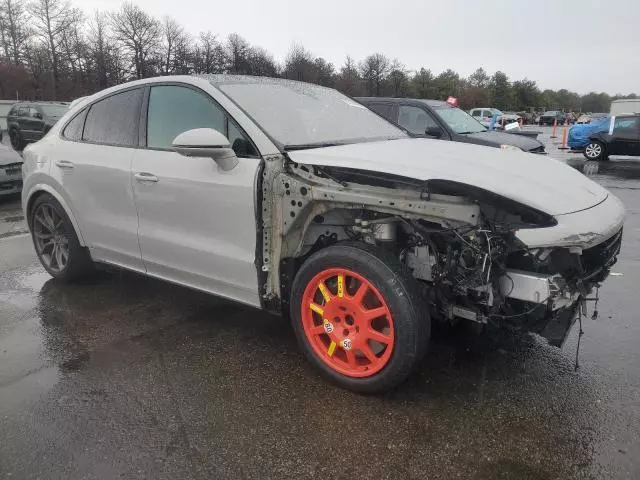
(564, 137)
(555, 126)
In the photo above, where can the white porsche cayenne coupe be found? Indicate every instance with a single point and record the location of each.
(296, 199)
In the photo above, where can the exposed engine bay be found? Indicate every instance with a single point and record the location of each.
(459, 242)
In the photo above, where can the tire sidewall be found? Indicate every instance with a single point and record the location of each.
(407, 348)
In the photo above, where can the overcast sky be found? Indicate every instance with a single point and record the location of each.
(582, 45)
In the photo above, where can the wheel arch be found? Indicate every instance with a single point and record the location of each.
(40, 189)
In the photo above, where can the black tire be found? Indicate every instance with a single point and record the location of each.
(412, 323)
(17, 142)
(79, 265)
(595, 151)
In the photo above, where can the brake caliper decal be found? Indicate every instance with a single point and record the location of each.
(332, 348)
(340, 286)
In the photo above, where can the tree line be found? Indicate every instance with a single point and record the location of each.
(50, 50)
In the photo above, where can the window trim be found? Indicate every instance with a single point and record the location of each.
(144, 116)
(85, 110)
(83, 113)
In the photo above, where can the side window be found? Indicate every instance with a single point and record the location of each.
(415, 119)
(73, 130)
(476, 113)
(626, 124)
(384, 109)
(174, 110)
(114, 120)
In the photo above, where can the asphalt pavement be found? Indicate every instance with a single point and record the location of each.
(129, 377)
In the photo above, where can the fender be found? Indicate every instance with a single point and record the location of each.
(43, 187)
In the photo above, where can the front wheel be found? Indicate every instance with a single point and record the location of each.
(595, 151)
(359, 317)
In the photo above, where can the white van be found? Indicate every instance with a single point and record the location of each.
(631, 105)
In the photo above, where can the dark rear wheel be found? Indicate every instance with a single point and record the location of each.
(359, 317)
(595, 151)
(17, 142)
(56, 242)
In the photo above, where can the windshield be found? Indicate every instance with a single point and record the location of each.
(459, 121)
(54, 110)
(302, 115)
(550, 113)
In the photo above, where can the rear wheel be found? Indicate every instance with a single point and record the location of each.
(17, 142)
(359, 317)
(56, 241)
(595, 151)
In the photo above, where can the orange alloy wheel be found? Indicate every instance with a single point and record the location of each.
(347, 322)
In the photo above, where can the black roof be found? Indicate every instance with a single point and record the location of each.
(431, 103)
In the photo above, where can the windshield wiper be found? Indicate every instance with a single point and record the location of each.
(308, 146)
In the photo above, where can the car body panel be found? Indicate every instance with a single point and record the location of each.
(492, 138)
(516, 175)
(10, 171)
(215, 207)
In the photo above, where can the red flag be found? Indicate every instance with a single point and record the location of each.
(452, 101)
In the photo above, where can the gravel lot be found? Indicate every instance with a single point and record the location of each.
(130, 377)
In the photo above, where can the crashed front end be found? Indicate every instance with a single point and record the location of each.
(480, 257)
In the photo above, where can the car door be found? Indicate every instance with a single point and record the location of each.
(23, 122)
(93, 166)
(35, 123)
(625, 138)
(197, 223)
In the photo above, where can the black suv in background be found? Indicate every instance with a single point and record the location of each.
(28, 122)
(441, 120)
(622, 138)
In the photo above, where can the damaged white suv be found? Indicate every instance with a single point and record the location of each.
(296, 199)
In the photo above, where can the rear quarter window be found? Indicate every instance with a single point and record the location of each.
(114, 120)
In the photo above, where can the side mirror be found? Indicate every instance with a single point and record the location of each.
(434, 131)
(38, 115)
(206, 142)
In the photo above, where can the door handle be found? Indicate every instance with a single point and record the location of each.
(144, 177)
(64, 164)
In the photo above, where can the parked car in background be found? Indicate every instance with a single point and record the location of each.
(622, 138)
(510, 117)
(548, 118)
(586, 118)
(441, 120)
(28, 122)
(10, 171)
(485, 115)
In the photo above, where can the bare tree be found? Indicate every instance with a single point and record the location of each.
(97, 41)
(237, 53)
(348, 80)
(139, 34)
(210, 55)
(298, 64)
(51, 19)
(374, 70)
(13, 25)
(172, 34)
